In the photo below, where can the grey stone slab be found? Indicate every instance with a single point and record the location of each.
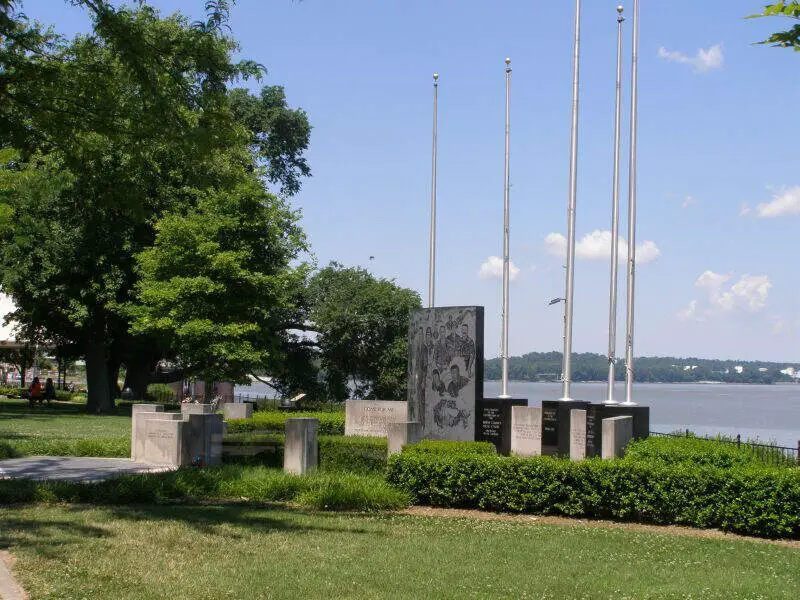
(577, 434)
(74, 468)
(445, 370)
(164, 442)
(190, 408)
(526, 431)
(237, 410)
(400, 434)
(617, 433)
(301, 449)
(371, 417)
(138, 414)
(202, 440)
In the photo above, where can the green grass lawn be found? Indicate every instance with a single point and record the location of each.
(63, 429)
(239, 552)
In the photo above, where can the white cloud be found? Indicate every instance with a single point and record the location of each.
(744, 209)
(702, 62)
(597, 246)
(493, 269)
(786, 202)
(748, 294)
(688, 201)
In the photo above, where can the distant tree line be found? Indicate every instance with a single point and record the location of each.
(546, 366)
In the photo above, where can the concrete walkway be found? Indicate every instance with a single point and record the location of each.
(73, 468)
(9, 588)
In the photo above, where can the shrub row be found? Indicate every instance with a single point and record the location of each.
(747, 499)
(117, 447)
(330, 423)
(701, 451)
(336, 453)
(450, 447)
(324, 491)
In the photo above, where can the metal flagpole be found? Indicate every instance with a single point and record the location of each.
(506, 233)
(566, 371)
(632, 207)
(612, 310)
(432, 252)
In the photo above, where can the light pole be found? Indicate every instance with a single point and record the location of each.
(573, 192)
(432, 248)
(632, 208)
(612, 303)
(506, 233)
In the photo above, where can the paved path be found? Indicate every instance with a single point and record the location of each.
(73, 468)
(9, 588)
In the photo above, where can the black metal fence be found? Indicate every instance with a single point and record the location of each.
(770, 454)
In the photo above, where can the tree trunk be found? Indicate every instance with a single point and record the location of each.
(113, 377)
(98, 399)
(137, 377)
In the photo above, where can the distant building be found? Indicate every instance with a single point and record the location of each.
(763, 370)
(739, 369)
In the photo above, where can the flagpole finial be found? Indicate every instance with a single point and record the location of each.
(435, 77)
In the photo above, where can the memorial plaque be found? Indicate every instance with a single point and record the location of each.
(139, 412)
(370, 417)
(526, 431)
(445, 371)
(577, 434)
(550, 427)
(494, 422)
(164, 442)
(594, 429)
(301, 449)
(237, 410)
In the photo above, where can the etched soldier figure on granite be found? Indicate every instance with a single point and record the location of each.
(445, 370)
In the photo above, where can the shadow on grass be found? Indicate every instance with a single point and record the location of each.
(48, 536)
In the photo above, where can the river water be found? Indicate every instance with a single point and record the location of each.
(763, 412)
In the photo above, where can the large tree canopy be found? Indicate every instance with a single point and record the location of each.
(112, 133)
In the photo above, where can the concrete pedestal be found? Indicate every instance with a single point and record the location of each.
(237, 410)
(301, 449)
(138, 414)
(526, 431)
(617, 433)
(400, 434)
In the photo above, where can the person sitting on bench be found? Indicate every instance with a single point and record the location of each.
(35, 391)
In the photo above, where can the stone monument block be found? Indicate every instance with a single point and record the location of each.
(190, 408)
(238, 410)
(640, 414)
(138, 414)
(526, 431)
(301, 449)
(371, 417)
(577, 434)
(400, 434)
(494, 421)
(556, 417)
(164, 442)
(203, 439)
(617, 433)
(445, 370)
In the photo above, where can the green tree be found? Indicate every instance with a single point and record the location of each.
(113, 130)
(362, 325)
(783, 39)
(217, 286)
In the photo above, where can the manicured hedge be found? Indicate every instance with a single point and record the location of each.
(450, 447)
(327, 491)
(330, 423)
(700, 451)
(16, 392)
(336, 453)
(747, 499)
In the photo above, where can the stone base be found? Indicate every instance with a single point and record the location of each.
(401, 434)
(617, 433)
(193, 437)
(138, 414)
(556, 425)
(237, 410)
(640, 414)
(526, 431)
(493, 421)
(301, 449)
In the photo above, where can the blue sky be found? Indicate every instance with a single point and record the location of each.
(719, 187)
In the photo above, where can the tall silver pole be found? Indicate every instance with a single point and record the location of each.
(612, 304)
(632, 207)
(506, 232)
(432, 253)
(573, 191)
